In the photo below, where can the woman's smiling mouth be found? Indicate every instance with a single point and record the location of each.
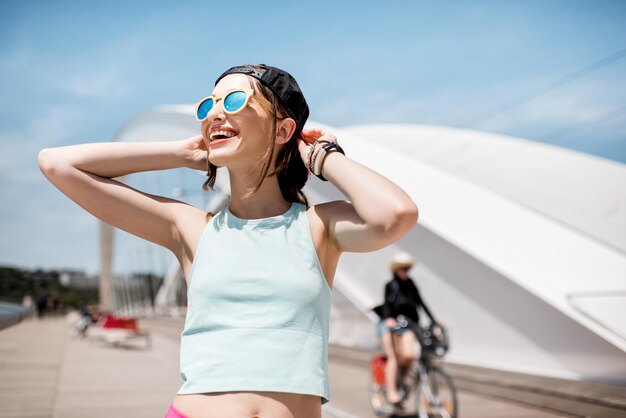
(220, 135)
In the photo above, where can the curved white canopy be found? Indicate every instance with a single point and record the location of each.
(522, 245)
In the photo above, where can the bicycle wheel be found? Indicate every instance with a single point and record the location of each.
(378, 399)
(436, 395)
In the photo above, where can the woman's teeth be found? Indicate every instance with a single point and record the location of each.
(221, 135)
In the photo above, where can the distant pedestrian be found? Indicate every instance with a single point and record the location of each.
(42, 304)
(27, 301)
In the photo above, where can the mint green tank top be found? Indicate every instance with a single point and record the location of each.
(258, 308)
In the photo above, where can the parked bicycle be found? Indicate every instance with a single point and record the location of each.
(435, 394)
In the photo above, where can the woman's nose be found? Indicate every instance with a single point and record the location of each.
(216, 112)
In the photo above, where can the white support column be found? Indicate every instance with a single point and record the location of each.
(106, 267)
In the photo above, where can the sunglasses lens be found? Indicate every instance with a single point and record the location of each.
(234, 101)
(204, 108)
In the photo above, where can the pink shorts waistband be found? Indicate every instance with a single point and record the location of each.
(174, 413)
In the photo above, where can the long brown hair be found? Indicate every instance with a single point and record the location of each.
(290, 169)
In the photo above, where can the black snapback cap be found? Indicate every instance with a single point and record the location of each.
(284, 87)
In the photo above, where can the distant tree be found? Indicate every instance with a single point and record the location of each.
(16, 282)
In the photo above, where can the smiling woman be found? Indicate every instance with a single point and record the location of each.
(260, 271)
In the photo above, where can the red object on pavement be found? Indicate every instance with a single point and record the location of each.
(377, 368)
(112, 321)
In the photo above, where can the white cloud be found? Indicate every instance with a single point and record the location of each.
(102, 72)
(41, 227)
(18, 60)
(103, 83)
(567, 108)
(20, 149)
(56, 123)
(453, 106)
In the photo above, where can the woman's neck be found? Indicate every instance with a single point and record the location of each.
(267, 201)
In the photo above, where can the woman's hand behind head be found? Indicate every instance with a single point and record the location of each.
(195, 152)
(312, 135)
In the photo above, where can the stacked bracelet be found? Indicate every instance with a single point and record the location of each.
(316, 163)
(313, 150)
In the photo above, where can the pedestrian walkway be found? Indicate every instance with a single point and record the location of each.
(48, 373)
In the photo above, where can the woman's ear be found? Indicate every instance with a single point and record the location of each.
(285, 130)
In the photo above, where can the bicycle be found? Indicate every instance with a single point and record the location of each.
(434, 389)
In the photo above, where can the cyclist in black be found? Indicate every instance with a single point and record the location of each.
(401, 298)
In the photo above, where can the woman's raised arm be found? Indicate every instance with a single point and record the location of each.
(85, 173)
(377, 212)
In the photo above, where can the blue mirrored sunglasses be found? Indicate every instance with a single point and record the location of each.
(234, 101)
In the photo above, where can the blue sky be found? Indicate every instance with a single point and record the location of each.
(74, 72)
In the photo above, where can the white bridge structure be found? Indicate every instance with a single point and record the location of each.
(521, 246)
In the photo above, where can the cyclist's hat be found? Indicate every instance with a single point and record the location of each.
(282, 84)
(401, 260)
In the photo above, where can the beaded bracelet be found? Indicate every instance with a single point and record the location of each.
(309, 157)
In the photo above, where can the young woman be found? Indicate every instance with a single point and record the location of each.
(260, 271)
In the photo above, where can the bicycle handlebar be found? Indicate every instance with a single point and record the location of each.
(404, 322)
(433, 339)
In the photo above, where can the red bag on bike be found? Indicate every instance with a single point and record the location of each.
(377, 368)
